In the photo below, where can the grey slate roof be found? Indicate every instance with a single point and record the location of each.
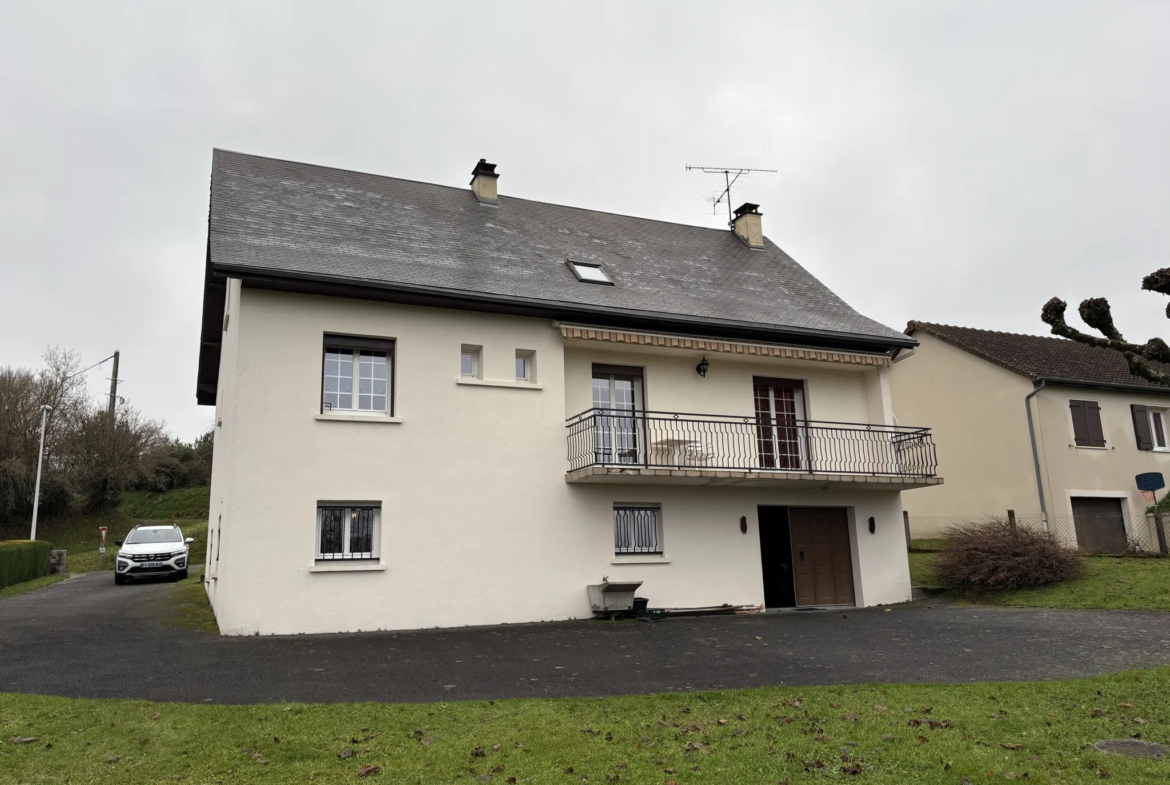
(291, 219)
(1041, 357)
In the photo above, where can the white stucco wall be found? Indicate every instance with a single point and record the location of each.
(975, 410)
(478, 524)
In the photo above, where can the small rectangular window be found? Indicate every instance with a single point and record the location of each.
(357, 375)
(524, 366)
(1086, 419)
(469, 361)
(590, 273)
(348, 532)
(636, 530)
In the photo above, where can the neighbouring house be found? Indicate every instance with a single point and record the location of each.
(1052, 429)
(443, 406)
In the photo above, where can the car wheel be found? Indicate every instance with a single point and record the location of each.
(119, 579)
(182, 575)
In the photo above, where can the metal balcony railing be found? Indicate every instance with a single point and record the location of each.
(674, 440)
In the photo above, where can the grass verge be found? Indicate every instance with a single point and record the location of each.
(186, 603)
(928, 545)
(78, 534)
(1042, 731)
(33, 585)
(922, 568)
(1120, 584)
(183, 504)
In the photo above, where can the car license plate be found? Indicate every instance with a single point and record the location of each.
(151, 564)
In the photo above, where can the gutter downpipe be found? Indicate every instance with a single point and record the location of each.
(1035, 453)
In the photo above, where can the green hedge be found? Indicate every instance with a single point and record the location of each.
(23, 560)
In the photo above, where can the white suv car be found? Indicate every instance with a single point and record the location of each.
(152, 551)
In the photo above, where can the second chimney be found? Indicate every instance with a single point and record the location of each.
(483, 182)
(748, 225)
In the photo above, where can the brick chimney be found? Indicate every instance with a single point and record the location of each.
(483, 182)
(748, 225)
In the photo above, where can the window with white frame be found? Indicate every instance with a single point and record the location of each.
(348, 532)
(1157, 428)
(357, 375)
(524, 366)
(637, 530)
(470, 361)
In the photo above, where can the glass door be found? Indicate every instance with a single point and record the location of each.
(617, 404)
(780, 424)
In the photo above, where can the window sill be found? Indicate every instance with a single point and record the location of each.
(640, 560)
(338, 417)
(1086, 447)
(343, 567)
(490, 383)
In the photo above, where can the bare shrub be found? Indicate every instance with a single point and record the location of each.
(996, 555)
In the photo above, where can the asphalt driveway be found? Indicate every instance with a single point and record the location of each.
(86, 637)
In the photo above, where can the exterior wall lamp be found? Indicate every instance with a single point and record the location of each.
(702, 367)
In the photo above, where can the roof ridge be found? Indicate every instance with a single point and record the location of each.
(914, 324)
(1036, 357)
(462, 190)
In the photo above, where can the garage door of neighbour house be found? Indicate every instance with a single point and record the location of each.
(822, 562)
(1100, 525)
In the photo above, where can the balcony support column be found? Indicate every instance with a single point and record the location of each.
(879, 404)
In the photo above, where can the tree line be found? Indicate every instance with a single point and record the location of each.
(90, 458)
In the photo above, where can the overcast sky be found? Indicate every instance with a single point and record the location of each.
(951, 162)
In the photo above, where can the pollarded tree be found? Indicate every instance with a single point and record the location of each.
(1095, 313)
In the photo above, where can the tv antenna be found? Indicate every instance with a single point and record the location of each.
(730, 175)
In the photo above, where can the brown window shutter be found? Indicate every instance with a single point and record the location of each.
(1141, 427)
(1093, 418)
(1080, 423)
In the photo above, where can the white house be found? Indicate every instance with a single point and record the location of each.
(437, 406)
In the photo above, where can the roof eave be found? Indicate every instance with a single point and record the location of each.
(348, 287)
(1134, 388)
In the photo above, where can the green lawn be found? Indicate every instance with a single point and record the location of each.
(183, 504)
(928, 544)
(887, 734)
(1119, 583)
(78, 534)
(186, 603)
(922, 568)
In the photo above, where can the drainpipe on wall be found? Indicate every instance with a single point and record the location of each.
(1035, 453)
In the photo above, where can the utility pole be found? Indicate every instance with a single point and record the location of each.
(114, 386)
(40, 458)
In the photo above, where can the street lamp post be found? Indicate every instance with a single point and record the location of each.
(40, 458)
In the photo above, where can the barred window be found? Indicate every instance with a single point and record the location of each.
(635, 530)
(347, 533)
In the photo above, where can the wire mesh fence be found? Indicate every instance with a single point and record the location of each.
(1113, 533)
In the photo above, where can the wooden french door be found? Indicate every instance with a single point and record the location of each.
(780, 423)
(617, 423)
(821, 557)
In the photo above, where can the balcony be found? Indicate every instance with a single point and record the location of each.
(612, 445)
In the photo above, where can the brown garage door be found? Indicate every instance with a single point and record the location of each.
(1100, 525)
(822, 564)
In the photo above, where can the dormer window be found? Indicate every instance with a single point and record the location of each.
(590, 273)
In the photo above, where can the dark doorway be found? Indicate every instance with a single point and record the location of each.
(822, 563)
(776, 558)
(1100, 524)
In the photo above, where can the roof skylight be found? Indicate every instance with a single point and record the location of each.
(590, 273)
